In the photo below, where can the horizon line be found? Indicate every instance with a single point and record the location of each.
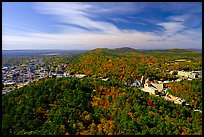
(108, 48)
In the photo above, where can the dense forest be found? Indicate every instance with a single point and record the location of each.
(84, 106)
(90, 106)
(191, 91)
(126, 63)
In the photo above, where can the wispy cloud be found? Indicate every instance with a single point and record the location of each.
(179, 18)
(119, 20)
(170, 28)
(76, 14)
(90, 40)
(81, 27)
(11, 29)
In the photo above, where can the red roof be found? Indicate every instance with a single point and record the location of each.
(148, 82)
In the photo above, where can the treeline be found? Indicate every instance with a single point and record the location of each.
(93, 107)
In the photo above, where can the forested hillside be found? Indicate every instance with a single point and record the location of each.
(124, 63)
(91, 106)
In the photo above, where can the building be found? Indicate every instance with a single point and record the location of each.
(142, 80)
(82, 76)
(158, 86)
(159, 82)
(50, 74)
(136, 84)
(180, 60)
(60, 73)
(193, 75)
(166, 81)
(177, 80)
(66, 74)
(151, 90)
(148, 87)
(171, 72)
(183, 74)
(9, 82)
(178, 101)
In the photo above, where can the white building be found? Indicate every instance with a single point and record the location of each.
(148, 87)
(66, 74)
(142, 80)
(184, 73)
(192, 75)
(80, 75)
(158, 86)
(177, 80)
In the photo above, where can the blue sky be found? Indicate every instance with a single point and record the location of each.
(90, 25)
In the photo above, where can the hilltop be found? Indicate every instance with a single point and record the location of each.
(123, 63)
(128, 49)
(156, 52)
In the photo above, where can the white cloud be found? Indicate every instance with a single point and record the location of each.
(119, 20)
(189, 38)
(101, 33)
(9, 29)
(180, 18)
(172, 27)
(76, 14)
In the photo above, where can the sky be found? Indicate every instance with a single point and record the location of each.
(90, 25)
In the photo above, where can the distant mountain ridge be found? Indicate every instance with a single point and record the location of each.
(97, 50)
(128, 49)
